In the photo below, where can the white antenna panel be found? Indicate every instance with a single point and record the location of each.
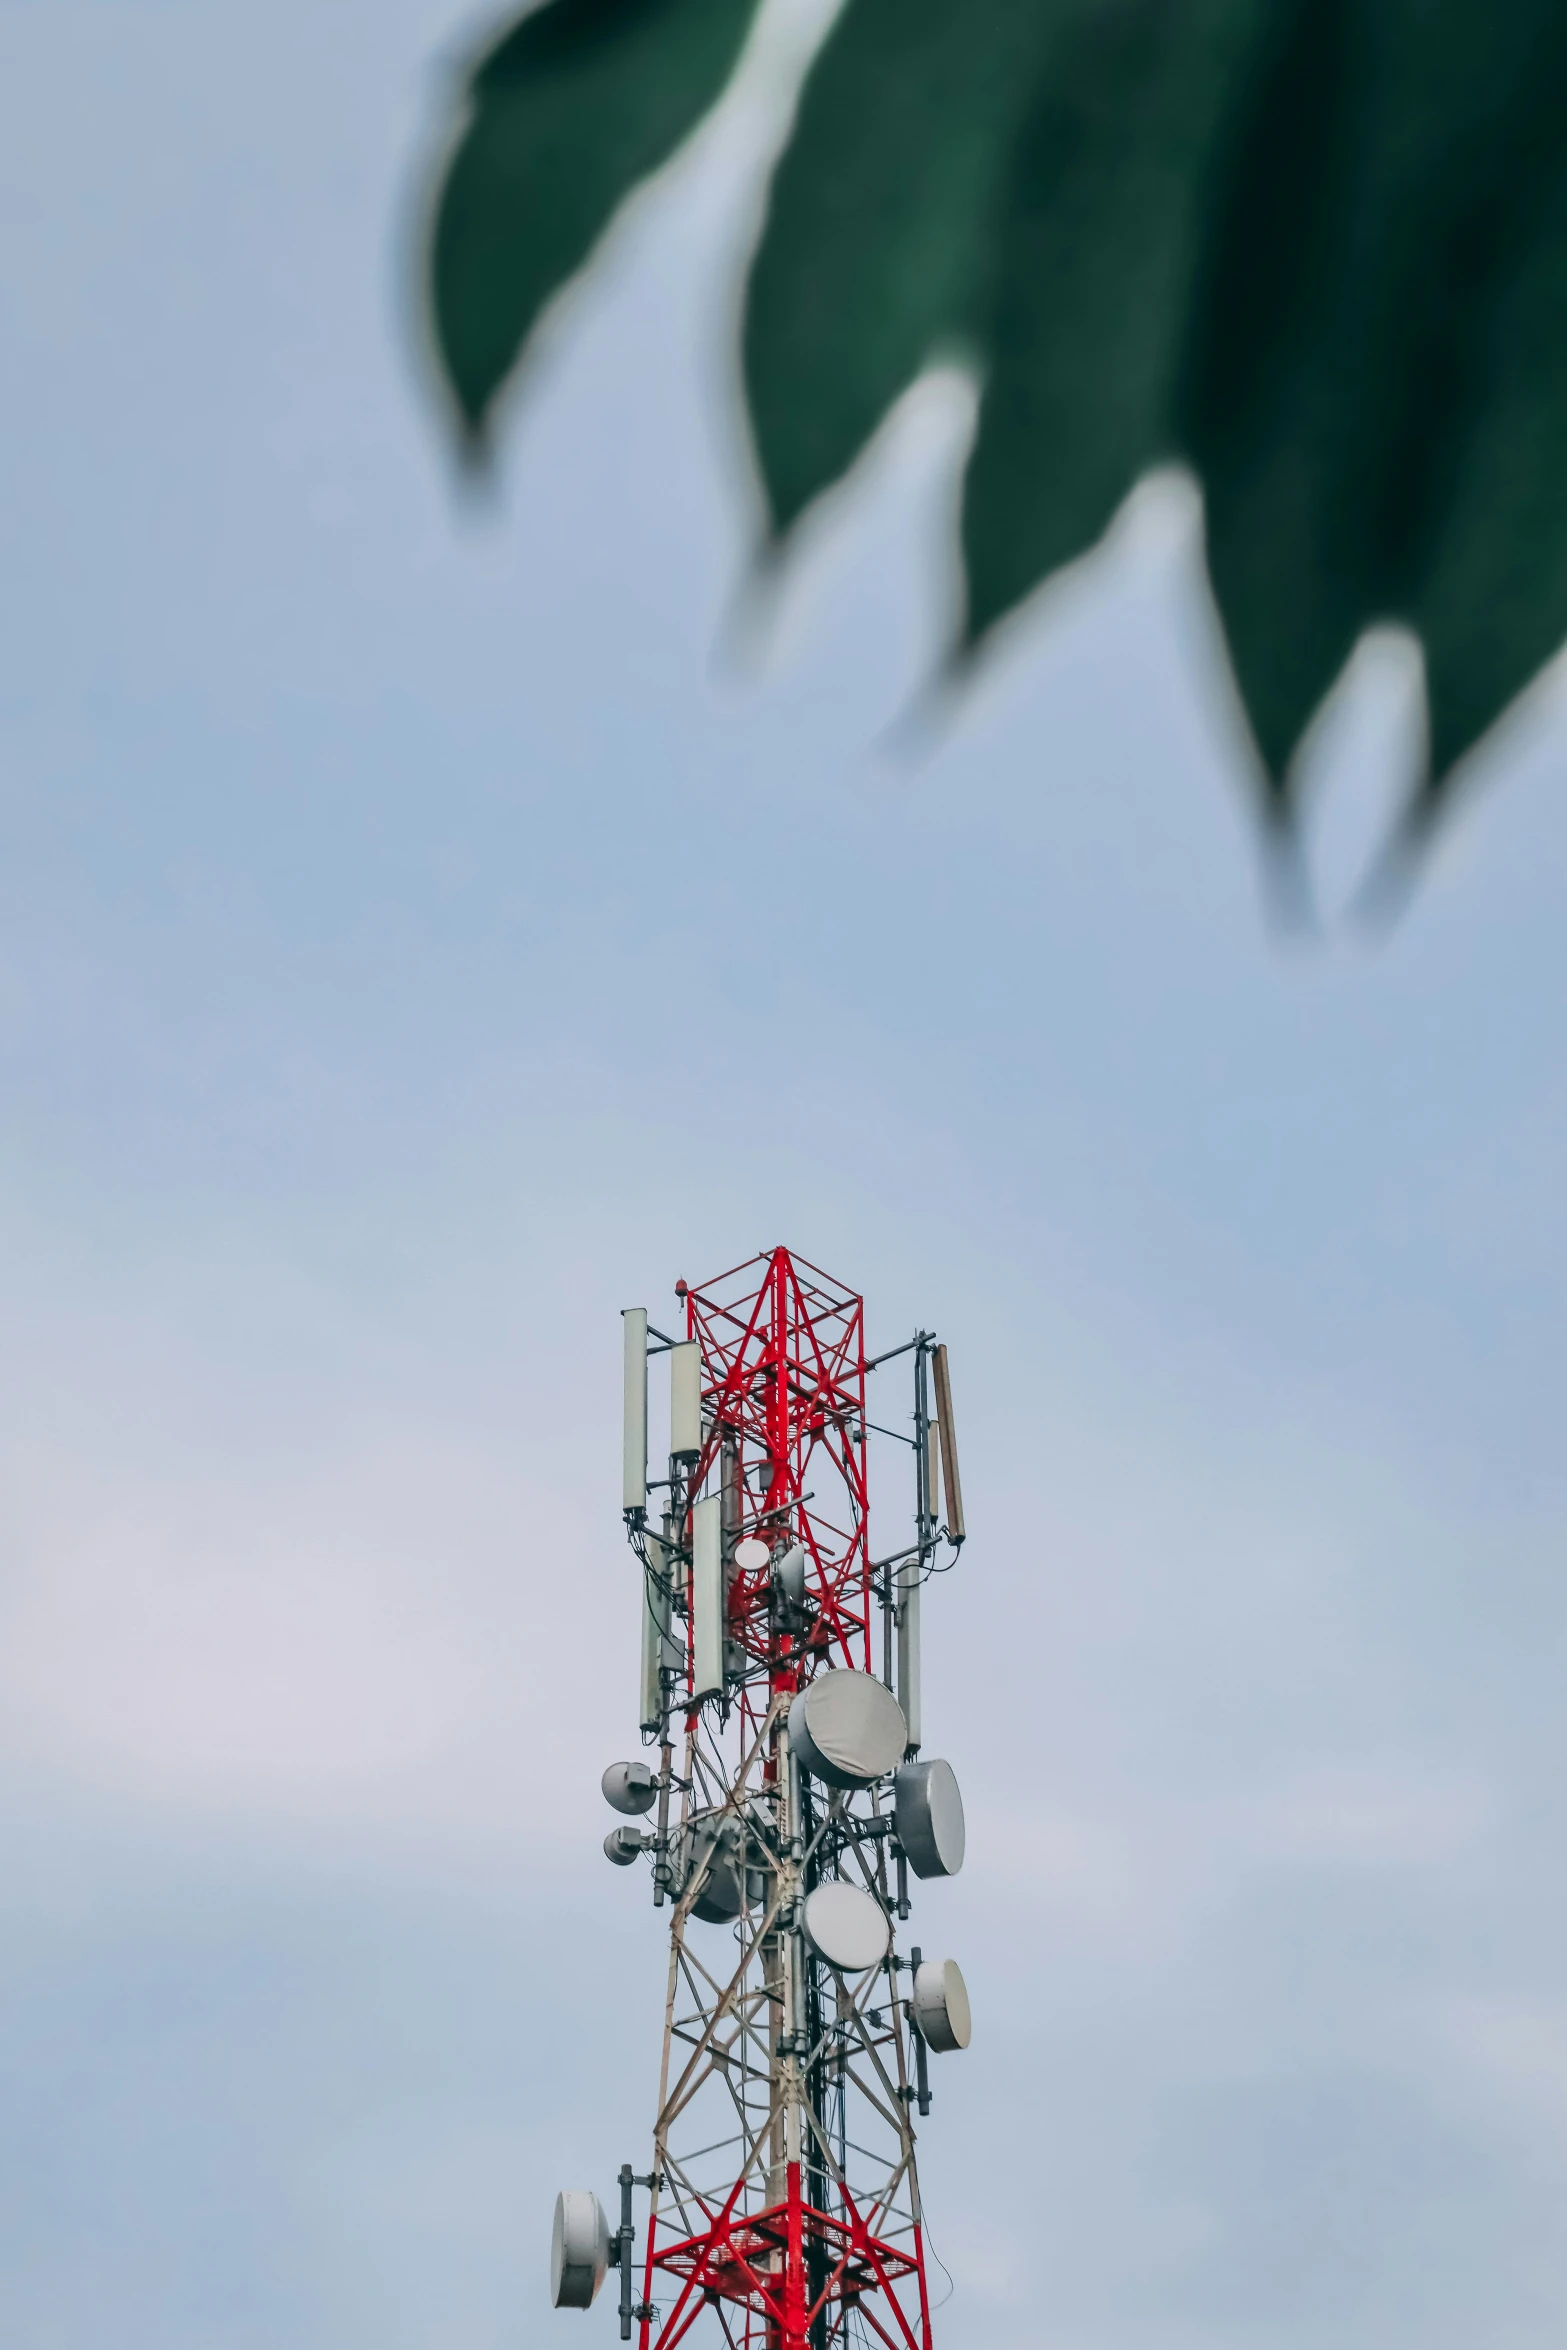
(633, 1478)
(685, 1400)
(658, 1646)
(909, 1589)
(707, 1594)
(949, 1445)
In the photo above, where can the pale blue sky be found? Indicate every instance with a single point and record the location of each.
(419, 939)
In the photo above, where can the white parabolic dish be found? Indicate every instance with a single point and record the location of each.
(929, 1813)
(847, 1729)
(579, 2249)
(630, 1787)
(847, 1927)
(940, 2004)
(751, 1555)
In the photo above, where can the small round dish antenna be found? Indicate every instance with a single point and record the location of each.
(929, 1813)
(752, 1555)
(848, 1729)
(789, 1576)
(721, 1896)
(940, 2005)
(630, 1787)
(579, 2249)
(847, 1927)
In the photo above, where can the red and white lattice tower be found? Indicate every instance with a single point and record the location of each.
(788, 1803)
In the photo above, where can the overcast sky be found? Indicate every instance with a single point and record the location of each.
(426, 928)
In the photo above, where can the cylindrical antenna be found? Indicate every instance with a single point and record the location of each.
(685, 1400)
(633, 1480)
(707, 1597)
(949, 1448)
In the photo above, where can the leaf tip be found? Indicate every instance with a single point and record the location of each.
(749, 622)
(1286, 878)
(967, 646)
(1388, 887)
(474, 455)
(914, 733)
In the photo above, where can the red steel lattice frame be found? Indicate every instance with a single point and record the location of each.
(783, 1365)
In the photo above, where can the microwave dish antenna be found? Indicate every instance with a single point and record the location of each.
(847, 1729)
(927, 1813)
(847, 1926)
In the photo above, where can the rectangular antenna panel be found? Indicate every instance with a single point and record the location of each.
(949, 1447)
(707, 1596)
(909, 1645)
(657, 1647)
(633, 1476)
(685, 1400)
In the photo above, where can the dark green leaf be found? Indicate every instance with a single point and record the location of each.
(1098, 248)
(878, 226)
(580, 101)
(1275, 265)
(1382, 211)
(1492, 607)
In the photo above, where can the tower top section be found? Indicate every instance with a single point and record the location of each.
(781, 1348)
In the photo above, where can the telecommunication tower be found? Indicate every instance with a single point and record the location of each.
(789, 1803)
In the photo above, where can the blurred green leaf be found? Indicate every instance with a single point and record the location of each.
(1097, 249)
(567, 113)
(1491, 608)
(880, 223)
(1377, 290)
(1317, 249)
